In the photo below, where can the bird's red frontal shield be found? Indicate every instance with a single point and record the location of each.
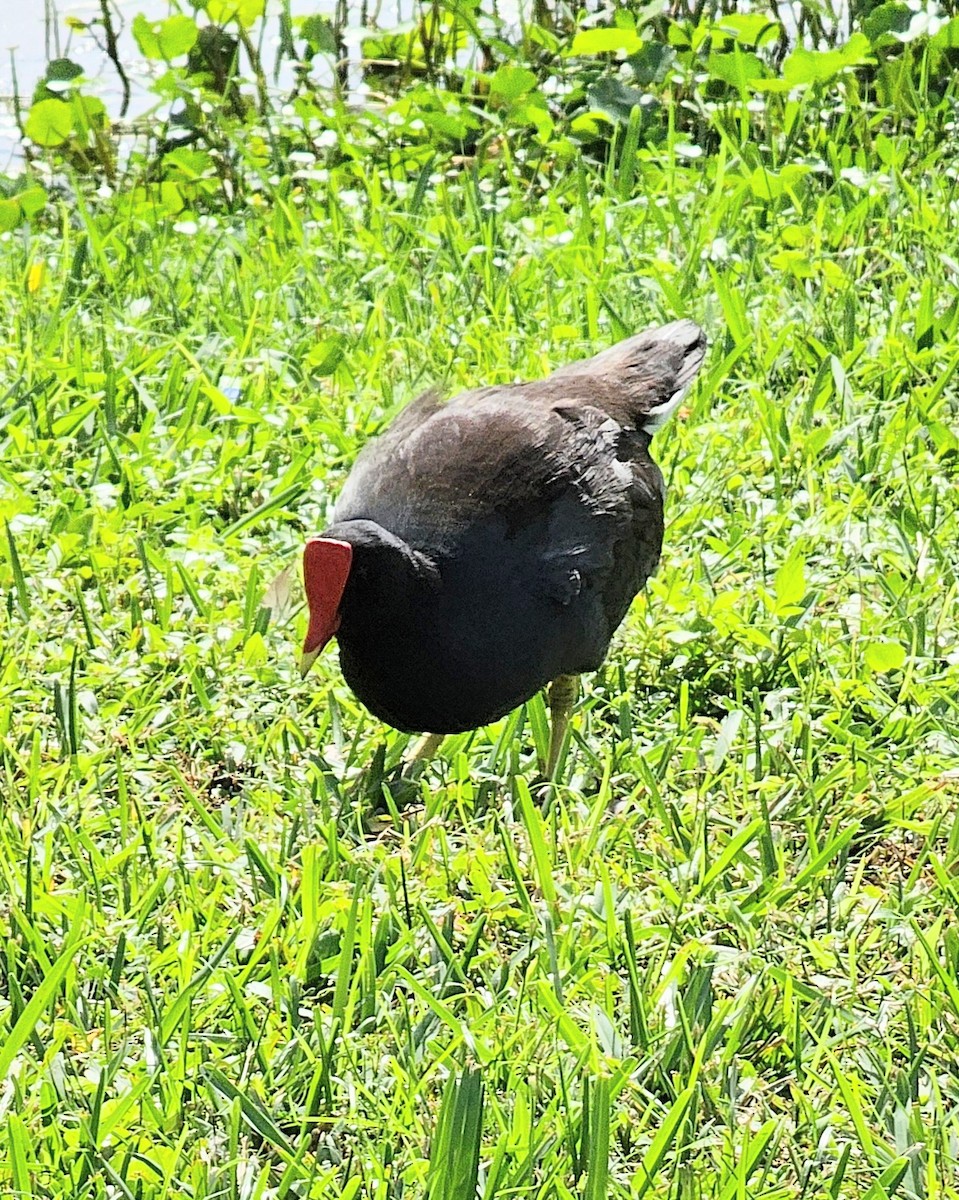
(326, 568)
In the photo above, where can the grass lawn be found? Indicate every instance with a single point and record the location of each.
(722, 961)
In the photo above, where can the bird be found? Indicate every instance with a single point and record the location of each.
(488, 546)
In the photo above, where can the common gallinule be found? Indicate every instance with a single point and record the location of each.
(489, 545)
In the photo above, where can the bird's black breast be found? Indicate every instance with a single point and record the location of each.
(492, 633)
(520, 599)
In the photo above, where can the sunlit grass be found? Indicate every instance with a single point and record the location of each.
(719, 960)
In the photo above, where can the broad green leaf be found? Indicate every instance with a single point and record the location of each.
(448, 125)
(591, 125)
(171, 197)
(165, 39)
(255, 653)
(605, 41)
(533, 111)
(804, 67)
(152, 1161)
(89, 112)
(457, 1142)
(11, 214)
(943, 437)
(20, 1154)
(49, 122)
(614, 98)
(740, 68)
(651, 63)
(320, 34)
(884, 656)
(32, 200)
(167, 198)
(891, 153)
(193, 164)
(947, 37)
(819, 66)
(244, 12)
(542, 858)
(751, 28)
(147, 35)
(767, 184)
(178, 35)
(887, 1185)
(511, 84)
(887, 19)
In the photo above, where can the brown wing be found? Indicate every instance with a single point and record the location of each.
(512, 451)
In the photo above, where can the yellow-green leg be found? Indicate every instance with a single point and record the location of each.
(425, 748)
(562, 696)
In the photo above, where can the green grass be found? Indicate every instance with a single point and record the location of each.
(721, 960)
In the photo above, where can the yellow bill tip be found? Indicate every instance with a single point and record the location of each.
(307, 659)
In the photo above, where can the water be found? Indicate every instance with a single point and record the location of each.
(32, 32)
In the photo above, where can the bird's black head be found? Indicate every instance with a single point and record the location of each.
(351, 562)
